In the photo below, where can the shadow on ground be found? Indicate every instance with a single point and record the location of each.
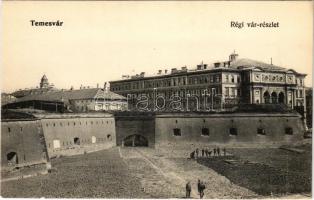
(266, 171)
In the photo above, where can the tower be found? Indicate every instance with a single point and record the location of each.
(233, 56)
(44, 82)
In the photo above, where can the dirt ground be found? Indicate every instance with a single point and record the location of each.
(144, 173)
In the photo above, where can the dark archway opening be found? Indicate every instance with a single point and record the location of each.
(77, 141)
(135, 141)
(281, 98)
(274, 97)
(266, 97)
(12, 158)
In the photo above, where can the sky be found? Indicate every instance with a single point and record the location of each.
(101, 41)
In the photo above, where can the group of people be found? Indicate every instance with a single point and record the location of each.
(200, 187)
(206, 152)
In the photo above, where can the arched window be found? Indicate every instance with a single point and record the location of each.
(274, 97)
(12, 158)
(266, 97)
(281, 98)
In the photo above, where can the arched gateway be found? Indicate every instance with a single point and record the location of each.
(135, 140)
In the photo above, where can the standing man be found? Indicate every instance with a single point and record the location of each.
(196, 152)
(214, 151)
(188, 190)
(202, 188)
(225, 153)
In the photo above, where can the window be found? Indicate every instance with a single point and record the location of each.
(227, 91)
(289, 131)
(217, 79)
(261, 131)
(232, 78)
(227, 78)
(77, 141)
(56, 144)
(9, 129)
(93, 139)
(177, 132)
(109, 137)
(21, 129)
(205, 132)
(233, 131)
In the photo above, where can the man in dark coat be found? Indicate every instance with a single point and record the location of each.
(202, 188)
(199, 186)
(196, 151)
(192, 155)
(188, 190)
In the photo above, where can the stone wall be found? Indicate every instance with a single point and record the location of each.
(229, 129)
(22, 143)
(68, 136)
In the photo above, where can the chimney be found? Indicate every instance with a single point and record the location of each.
(142, 74)
(217, 64)
(97, 85)
(184, 68)
(159, 71)
(81, 87)
(271, 61)
(173, 70)
(166, 71)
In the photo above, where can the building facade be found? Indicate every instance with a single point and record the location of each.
(218, 86)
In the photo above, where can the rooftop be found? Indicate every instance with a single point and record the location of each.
(233, 63)
(66, 95)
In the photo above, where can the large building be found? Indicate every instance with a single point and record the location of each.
(218, 86)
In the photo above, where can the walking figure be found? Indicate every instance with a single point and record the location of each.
(192, 155)
(188, 190)
(199, 186)
(225, 153)
(203, 152)
(196, 152)
(218, 151)
(206, 153)
(202, 188)
(209, 153)
(214, 151)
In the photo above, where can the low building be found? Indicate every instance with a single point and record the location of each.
(7, 98)
(82, 100)
(309, 106)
